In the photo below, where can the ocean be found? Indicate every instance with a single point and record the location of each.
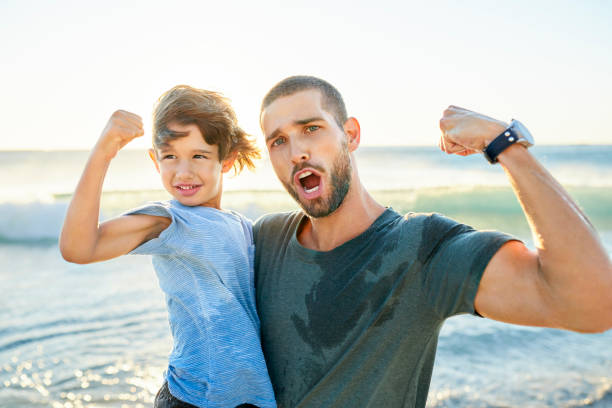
(97, 335)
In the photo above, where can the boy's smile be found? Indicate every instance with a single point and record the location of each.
(187, 190)
(190, 168)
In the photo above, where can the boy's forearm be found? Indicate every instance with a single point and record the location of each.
(572, 259)
(80, 231)
(80, 234)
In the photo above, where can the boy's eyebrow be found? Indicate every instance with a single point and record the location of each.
(169, 147)
(295, 122)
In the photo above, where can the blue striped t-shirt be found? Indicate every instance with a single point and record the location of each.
(204, 263)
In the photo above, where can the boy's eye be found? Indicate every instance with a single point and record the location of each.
(278, 141)
(168, 156)
(199, 156)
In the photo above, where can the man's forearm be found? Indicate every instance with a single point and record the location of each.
(572, 259)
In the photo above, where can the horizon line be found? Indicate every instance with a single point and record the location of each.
(363, 146)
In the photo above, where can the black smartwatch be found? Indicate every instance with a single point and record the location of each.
(516, 133)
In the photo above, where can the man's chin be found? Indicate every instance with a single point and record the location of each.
(316, 210)
(320, 208)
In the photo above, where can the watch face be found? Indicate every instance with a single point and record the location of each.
(524, 136)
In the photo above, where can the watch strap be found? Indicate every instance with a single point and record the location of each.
(507, 138)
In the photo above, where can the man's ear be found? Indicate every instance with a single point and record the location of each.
(352, 130)
(228, 162)
(153, 157)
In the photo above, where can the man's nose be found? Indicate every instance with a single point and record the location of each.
(299, 152)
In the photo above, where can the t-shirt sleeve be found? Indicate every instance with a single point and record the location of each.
(256, 227)
(156, 246)
(454, 262)
(247, 226)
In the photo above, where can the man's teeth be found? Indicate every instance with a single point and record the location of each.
(312, 190)
(305, 174)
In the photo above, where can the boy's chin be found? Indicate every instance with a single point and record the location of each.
(195, 201)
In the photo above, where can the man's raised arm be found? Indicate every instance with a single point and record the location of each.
(567, 281)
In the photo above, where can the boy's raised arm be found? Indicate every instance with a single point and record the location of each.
(82, 239)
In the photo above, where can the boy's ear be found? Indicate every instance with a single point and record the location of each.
(228, 162)
(352, 130)
(153, 157)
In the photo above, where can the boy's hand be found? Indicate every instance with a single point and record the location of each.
(121, 128)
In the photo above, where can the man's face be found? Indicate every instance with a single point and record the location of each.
(308, 151)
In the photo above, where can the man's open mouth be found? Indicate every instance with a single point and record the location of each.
(309, 181)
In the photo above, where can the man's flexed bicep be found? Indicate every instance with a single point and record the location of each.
(513, 290)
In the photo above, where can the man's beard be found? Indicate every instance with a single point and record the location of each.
(340, 183)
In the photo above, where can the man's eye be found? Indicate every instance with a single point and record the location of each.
(312, 128)
(278, 141)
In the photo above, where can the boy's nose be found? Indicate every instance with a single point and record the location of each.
(183, 170)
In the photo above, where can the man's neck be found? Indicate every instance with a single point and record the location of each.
(355, 215)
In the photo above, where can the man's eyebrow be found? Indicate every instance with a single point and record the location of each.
(295, 122)
(307, 120)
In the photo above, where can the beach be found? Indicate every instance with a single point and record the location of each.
(97, 335)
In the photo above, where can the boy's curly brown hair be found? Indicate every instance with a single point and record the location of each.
(212, 113)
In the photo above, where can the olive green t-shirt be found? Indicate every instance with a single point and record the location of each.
(358, 326)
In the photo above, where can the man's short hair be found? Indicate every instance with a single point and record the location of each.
(212, 113)
(330, 97)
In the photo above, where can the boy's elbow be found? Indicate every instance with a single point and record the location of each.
(72, 256)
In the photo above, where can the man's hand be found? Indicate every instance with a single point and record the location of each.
(121, 128)
(465, 132)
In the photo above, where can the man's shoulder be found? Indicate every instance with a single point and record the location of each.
(427, 220)
(277, 220)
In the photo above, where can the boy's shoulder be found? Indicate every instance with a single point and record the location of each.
(159, 208)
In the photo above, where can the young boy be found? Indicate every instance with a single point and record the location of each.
(203, 255)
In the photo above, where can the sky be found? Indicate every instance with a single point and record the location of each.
(65, 66)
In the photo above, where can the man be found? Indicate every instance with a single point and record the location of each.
(352, 295)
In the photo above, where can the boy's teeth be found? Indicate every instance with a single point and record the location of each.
(305, 174)
(315, 188)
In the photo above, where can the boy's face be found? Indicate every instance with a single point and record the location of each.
(190, 168)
